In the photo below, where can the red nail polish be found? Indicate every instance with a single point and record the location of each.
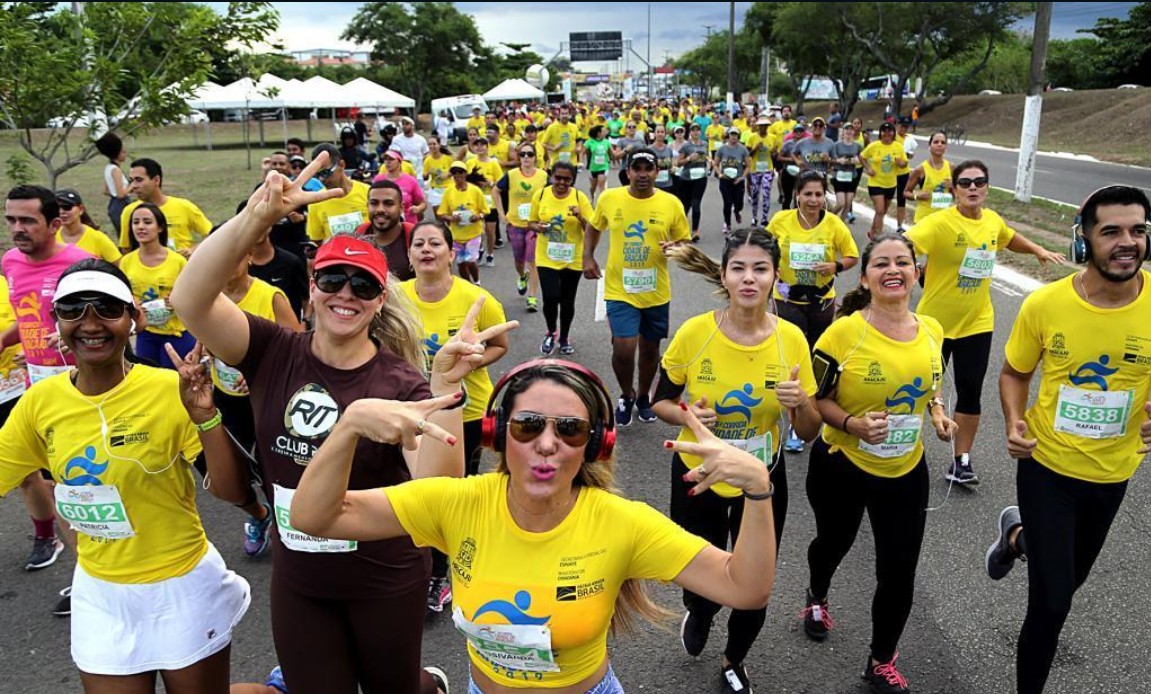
(667, 444)
(451, 440)
(685, 476)
(691, 492)
(683, 406)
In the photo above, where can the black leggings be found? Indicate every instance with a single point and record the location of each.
(559, 289)
(900, 186)
(786, 188)
(334, 646)
(732, 194)
(971, 355)
(715, 518)
(812, 318)
(691, 195)
(839, 493)
(473, 435)
(1065, 523)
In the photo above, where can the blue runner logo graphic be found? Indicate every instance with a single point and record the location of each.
(88, 467)
(635, 231)
(432, 344)
(1094, 372)
(743, 404)
(906, 395)
(515, 614)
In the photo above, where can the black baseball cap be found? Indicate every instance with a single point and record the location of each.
(68, 196)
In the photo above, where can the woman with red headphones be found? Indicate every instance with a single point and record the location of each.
(543, 624)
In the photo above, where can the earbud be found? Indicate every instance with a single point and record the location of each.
(132, 328)
(57, 327)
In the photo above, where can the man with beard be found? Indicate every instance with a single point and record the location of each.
(387, 228)
(1088, 430)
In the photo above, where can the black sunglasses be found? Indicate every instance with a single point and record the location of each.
(106, 309)
(526, 426)
(65, 207)
(980, 182)
(364, 286)
(526, 153)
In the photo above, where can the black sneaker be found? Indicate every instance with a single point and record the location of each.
(960, 471)
(440, 677)
(439, 593)
(499, 243)
(884, 678)
(735, 680)
(693, 633)
(623, 412)
(548, 345)
(63, 608)
(644, 411)
(44, 553)
(817, 621)
(1000, 557)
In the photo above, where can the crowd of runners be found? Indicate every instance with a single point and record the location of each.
(324, 361)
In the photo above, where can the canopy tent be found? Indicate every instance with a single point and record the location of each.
(243, 93)
(513, 90)
(367, 93)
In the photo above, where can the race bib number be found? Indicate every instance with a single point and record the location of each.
(730, 172)
(435, 196)
(524, 211)
(639, 281)
(845, 176)
(561, 252)
(941, 201)
(1092, 414)
(696, 173)
(344, 223)
(902, 435)
(302, 542)
(565, 157)
(887, 165)
(663, 176)
(12, 384)
(229, 378)
(792, 170)
(488, 199)
(805, 256)
(521, 647)
(95, 511)
(762, 166)
(759, 446)
(599, 160)
(156, 312)
(465, 216)
(38, 373)
(977, 263)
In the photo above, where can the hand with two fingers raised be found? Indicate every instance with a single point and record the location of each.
(279, 196)
(722, 462)
(464, 352)
(396, 422)
(195, 382)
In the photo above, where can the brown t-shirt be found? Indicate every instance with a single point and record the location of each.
(396, 252)
(297, 399)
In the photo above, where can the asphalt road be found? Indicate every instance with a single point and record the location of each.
(1057, 178)
(960, 638)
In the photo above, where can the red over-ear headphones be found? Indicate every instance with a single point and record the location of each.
(602, 440)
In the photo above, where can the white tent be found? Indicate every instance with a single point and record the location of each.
(315, 92)
(513, 90)
(367, 93)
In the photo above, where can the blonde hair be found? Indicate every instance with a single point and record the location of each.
(633, 600)
(397, 327)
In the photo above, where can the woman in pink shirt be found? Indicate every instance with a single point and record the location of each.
(414, 203)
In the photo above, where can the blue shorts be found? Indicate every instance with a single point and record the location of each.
(627, 321)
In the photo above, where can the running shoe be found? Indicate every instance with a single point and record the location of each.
(623, 412)
(522, 284)
(794, 444)
(693, 633)
(257, 534)
(695, 238)
(499, 243)
(276, 680)
(63, 606)
(726, 229)
(566, 348)
(490, 261)
(439, 593)
(900, 231)
(643, 407)
(44, 553)
(1000, 556)
(440, 677)
(817, 621)
(533, 304)
(851, 218)
(884, 678)
(548, 345)
(735, 680)
(738, 217)
(960, 471)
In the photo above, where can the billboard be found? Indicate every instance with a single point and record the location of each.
(595, 45)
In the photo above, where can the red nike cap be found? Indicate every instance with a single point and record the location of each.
(353, 251)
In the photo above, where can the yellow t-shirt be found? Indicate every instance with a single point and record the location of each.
(155, 284)
(800, 248)
(636, 269)
(559, 245)
(339, 215)
(490, 170)
(95, 242)
(882, 374)
(470, 200)
(707, 363)
(258, 302)
(906, 168)
(521, 191)
(478, 123)
(714, 135)
(499, 152)
(13, 378)
(882, 158)
(1095, 379)
(440, 320)
(145, 454)
(187, 225)
(780, 128)
(573, 578)
(564, 136)
(960, 258)
(437, 170)
(761, 159)
(933, 182)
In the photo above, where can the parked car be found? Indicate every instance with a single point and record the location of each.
(990, 92)
(459, 110)
(1130, 86)
(95, 119)
(1063, 89)
(194, 117)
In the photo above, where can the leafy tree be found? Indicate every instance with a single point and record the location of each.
(431, 46)
(1075, 63)
(706, 66)
(138, 63)
(1125, 45)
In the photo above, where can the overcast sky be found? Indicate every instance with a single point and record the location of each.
(675, 27)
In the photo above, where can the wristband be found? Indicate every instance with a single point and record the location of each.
(838, 267)
(213, 422)
(936, 401)
(844, 425)
(761, 497)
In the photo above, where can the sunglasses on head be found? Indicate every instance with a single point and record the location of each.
(526, 426)
(980, 182)
(364, 286)
(74, 310)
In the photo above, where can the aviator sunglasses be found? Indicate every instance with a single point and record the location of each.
(74, 310)
(526, 426)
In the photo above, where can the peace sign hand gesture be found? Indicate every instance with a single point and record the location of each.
(280, 196)
(722, 462)
(392, 421)
(464, 352)
(195, 382)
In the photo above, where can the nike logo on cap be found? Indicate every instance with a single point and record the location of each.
(348, 251)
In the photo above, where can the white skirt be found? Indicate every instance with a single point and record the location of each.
(126, 629)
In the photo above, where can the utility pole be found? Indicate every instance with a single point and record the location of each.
(731, 59)
(649, 70)
(708, 28)
(1033, 106)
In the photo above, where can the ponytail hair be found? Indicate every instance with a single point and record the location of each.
(860, 298)
(691, 258)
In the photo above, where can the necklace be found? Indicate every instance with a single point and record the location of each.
(511, 497)
(805, 222)
(1083, 286)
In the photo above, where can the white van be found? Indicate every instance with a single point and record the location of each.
(459, 110)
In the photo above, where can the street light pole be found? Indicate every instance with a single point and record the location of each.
(731, 58)
(649, 73)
